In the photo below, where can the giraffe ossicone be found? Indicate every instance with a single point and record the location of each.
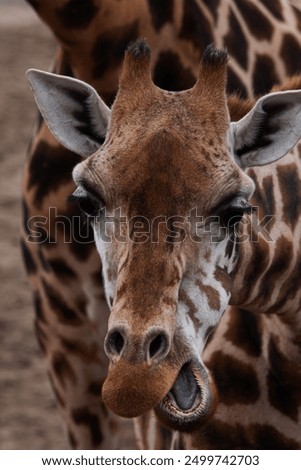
(160, 154)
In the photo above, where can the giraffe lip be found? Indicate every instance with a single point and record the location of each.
(190, 401)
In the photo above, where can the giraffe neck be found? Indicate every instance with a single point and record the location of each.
(270, 266)
(256, 363)
(283, 339)
(260, 39)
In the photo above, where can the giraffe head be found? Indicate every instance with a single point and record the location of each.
(163, 185)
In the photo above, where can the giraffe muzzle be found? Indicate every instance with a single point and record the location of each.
(141, 368)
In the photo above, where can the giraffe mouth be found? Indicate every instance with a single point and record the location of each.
(185, 393)
(190, 401)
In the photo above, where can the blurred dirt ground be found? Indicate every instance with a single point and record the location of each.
(28, 416)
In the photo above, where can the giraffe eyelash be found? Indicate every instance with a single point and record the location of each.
(232, 213)
(87, 204)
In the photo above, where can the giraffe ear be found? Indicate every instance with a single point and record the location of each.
(268, 131)
(73, 111)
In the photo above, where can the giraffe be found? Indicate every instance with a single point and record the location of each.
(168, 291)
(70, 306)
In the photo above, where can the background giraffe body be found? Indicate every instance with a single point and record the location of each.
(70, 306)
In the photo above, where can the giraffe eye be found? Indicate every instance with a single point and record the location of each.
(231, 214)
(87, 203)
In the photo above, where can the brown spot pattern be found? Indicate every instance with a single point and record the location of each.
(290, 188)
(192, 310)
(284, 382)
(64, 313)
(234, 84)
(236, 42)
(195, 27)
(82, 416)
(236, 381)
(274, 7)
(49, 168)
(61, 269)
(109, 47)
(281, 261)
(290, 53)
(213, 296)
(81, 350)
(63, 369)
(213, 6)
(268, 196)
(244, 331)
(264, 75)
(162, 12)
(77, 13)
(289, 288)
(219, 435)
(257, 23)
(260, 259)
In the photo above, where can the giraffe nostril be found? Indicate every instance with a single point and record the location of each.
(158, 346)
(115, 343)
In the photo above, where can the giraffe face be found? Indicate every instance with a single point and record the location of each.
(163, 193)
(163, 188)
(167, 252)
